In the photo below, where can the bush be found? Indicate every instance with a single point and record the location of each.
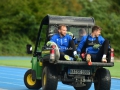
(14, 44)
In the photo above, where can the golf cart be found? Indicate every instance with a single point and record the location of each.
(46, 69)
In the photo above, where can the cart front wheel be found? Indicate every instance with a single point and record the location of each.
(30, 84)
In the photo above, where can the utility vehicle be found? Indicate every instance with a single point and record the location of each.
(46, 72)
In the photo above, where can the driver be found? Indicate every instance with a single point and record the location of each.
(82, 32)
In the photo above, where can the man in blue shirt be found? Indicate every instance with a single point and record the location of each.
(65, 43)
(94, 45)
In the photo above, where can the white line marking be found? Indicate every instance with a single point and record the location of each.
(114, 89)
(12, 84)
(2, 89)
(11, 71)
(11, 74)
(14, 67)
(12, 78)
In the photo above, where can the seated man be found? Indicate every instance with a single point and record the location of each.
(94, 45)
(64, 41)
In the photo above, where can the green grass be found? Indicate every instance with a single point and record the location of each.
(16, 63)
(115, 72)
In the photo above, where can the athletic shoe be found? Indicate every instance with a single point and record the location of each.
(88, 58)
(77, 57)
(68, 58)
(104, 60)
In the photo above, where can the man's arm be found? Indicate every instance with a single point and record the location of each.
(101, 40)
(71, 41)
(72, 37)
(53, 39)
(81, 44)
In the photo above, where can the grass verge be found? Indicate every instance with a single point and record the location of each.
(115, 72)
(16, 63)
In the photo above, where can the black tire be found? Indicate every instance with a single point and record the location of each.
(30, 84)
(49, 78)
(103, 79)
(88, 85)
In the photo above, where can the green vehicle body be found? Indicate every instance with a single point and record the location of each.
(37, 67)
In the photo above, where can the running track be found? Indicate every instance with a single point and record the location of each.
(12, 79)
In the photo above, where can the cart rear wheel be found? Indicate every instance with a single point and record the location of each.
(103, 79)
(49, 78)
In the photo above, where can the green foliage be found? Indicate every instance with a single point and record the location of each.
(115, 69)
(20, 19)
(14, 44)
(107, 15)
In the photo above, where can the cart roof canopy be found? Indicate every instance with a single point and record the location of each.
(68, 20)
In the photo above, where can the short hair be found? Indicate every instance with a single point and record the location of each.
(82, 30)
(94, 28)
(62, 25)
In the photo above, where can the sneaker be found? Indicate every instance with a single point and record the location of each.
(68, 58)
(77, 57)
(88, 58)
(104, 60)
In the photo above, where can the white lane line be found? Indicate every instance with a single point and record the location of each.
(13, 84)
(10, 74)
(114, 89)
(13, 69)
(10, 71)
(116, 78)
(115, 85)
(12, 78)
(5, 66)
(2, 89)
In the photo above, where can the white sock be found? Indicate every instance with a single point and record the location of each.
(104, 56)
(75, 52)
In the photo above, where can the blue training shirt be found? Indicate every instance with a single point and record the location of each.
(62, 42)
(89, 50)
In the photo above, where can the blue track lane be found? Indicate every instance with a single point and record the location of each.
(12, 79)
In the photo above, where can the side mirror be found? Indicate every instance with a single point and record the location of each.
(29, 48)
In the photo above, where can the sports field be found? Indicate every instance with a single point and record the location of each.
(25, 62)
(12, 77)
